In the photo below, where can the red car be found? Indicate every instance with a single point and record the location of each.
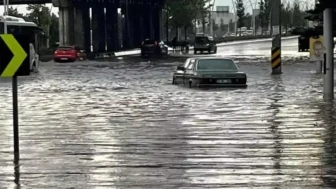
(68, 53)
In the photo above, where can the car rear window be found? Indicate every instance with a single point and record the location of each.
(149, 42)
(201, 39)
(216, 64)
(65, 48)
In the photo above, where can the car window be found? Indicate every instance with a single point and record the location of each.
(65, 48)
(191, 65)
(217, 64)
(190, 61)
(149, 42)
(186, 63)
(201, 39)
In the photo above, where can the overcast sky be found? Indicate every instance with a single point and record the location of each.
(22, 8)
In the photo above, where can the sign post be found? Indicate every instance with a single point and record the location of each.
(328, 83)
(14, 62)
(276, 42)
(316, 51)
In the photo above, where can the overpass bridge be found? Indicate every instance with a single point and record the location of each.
(114, 24)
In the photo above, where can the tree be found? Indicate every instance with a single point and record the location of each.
(286, 15)
(296, 13)
(262, 15)
(222, 25)
(186, 12)
(267, 10)
(215, 26)
(40, 14)
(14, 12)
(231, 26)
(240, 13)
(247, 20)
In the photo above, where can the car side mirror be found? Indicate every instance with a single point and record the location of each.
(180, 68)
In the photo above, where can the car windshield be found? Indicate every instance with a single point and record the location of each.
(149, 42)
(217, 64)
(65, 48)
(201, 39)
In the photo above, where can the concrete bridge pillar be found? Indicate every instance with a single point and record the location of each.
(66, 20)
(162, 24)
(98, 28)
(112, 42)
(136, 27)
(151, 19)
(82, 27)
(66, 26)
(156, 12)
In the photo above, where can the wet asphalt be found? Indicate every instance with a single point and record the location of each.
(121, 124)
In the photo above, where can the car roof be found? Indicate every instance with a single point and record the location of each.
(210, 58)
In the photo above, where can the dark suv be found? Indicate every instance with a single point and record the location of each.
(205, 43)
(154, 47)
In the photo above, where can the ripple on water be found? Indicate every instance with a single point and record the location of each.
(122, 126)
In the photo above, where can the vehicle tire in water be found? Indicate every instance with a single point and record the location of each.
(174, 81)
(190, 84)
(34, 69)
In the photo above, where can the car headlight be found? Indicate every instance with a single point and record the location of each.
(197, 75)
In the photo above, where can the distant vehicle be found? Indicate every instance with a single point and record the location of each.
(69, 53)
(205, 43)
(18, 26)
(209, 72)
(153, 47)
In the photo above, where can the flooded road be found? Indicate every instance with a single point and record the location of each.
(119, 125)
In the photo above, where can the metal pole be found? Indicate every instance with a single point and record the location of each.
(276, 42)
(15, 120)
(167, 25)
(5, 13)
(328, 87)
(15, 101)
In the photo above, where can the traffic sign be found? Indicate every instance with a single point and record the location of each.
(14, 55)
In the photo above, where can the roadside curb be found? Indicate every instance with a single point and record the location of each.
(137, 51)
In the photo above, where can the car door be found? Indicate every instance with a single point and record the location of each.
(188, 72)
(179, 73)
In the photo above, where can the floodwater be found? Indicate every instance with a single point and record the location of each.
(109, 125)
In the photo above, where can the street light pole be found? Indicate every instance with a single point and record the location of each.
(328, 83)
(5, 13)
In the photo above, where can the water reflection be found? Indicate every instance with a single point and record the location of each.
(329, 156)
(86, 133)
(17, 175)
(276, 105)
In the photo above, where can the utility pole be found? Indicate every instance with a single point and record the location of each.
(328, 81)
(276, 42)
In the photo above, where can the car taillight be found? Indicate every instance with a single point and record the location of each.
(56, 52)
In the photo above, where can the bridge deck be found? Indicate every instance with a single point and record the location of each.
(18, 2)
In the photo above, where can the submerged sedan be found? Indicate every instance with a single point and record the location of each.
(209, 72)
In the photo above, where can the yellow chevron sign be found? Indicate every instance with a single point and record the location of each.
(13, 56)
